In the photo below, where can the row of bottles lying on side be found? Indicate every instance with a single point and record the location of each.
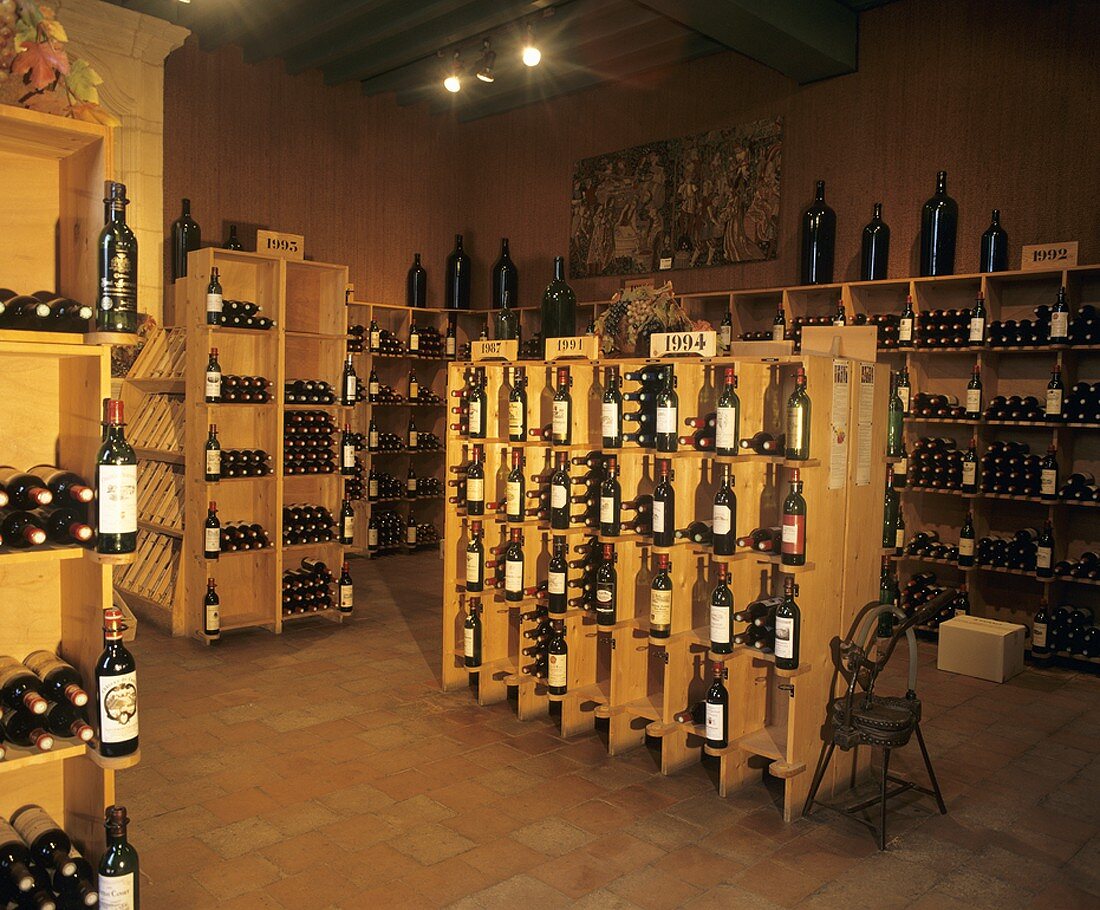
(229, 388)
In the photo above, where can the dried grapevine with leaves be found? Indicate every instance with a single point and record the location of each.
(32, 50)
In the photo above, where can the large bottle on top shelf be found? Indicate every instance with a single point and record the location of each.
(116, 307)
(186, 236)
(939, 224)
(416, 284)
(458, 278)
(993, 256)
(818, 240)
(875, 249)
(559, 305)
(505, 279)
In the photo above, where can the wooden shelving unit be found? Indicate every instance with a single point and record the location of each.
(52, 172)
(638, 683)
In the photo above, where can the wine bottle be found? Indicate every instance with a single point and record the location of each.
(116, 691)
(349, 384)
(232, 242)
(788, 627)
(978, 320)
(513, 566)
(895, 440)
(839, 318)
(611, 410)
(213, 378)
(416, 284)
(64, 526)
(660, 600)
(20, 688)
(22, 727)
(450, 340)
(725, 332)
(49, 845)
(717, 710)
(515, 488)
(905, 390)
(875, 248)
(559, 493)
(906, 323)
(345, 590)
(994, 250)
(557, 577)
(1055, 394)
(818, 240)
(974, 393)
(475, 560)
(1044, 552)
(60, 682)
(557, 659)
(504, 280)
(67, 488)
(15, 860)
(78, 889)
(939, 222)
(477, 415)
(119, 876)
(798, 419)
(723, 536)
(347, 522)
(214, 299)
(610, 499)
(186, 236)
(475, 482)
(794, 524)
(607, 588)
(22, 530)
(890, 510)
(116, 309)
(24, 490)
(779, 323)
(212, 533)
(664, 505)
(1048, 477)
(471, 634)
(561, 427)
(668, 419)
(211, 611)
(213, 472)
(721, 613)
(1059, 318)
(458, 278)
(559, 305)
(517, 406)
(116, 481)
(1040, 635)
(728, 417)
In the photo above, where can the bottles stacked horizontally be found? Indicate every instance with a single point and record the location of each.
(307, 589)
(1082, 403)
(425, 341)
(923, 587)
(385, 531)
(234, 314)
(942, 407)
(305, 523)
(382, 486)
(308, 391)
(309, 442)
(1020, 551)
(42, 700)
(1026, 408)
(1010, 468)
(385, 343)
(927, 544)
(43, 311)
(42, 870)
(1080, 487)
(244, 390)
(44, 505)
(1066, 629)
(245, 463)
(935, 462)
(943, 329)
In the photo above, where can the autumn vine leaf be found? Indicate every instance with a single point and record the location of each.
(42, 61)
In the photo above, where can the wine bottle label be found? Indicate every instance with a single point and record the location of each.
(372, 537)
(117, 892)
(796, 424)
(899, 538)
(211, 618)
(372, 439)
(1043, 558)
(410, 485)
(372, 489)
(513, 575)
(214, 303)
(722, 520)
(973, 401)
(346, 598)
(375, 339)
(1038, 635)
(784, 637)
(118, 708)
(348, 524)
(725, 429)
(117, 485)
(905, 330)
(1054, 403)
(348, 453)
(473, 568)
(666, 420)
(412, 439)
(514, 497)
(977, 329)
(450, 346)
(794, 535)
(213, 461)
(32, 823)
(557, 666)
(609, 419)
(213, 384)
(212, 540)
(414, 391)
(777, 332)
(414, 341)
(1059, 325)
(1048, 482)
(605, 597)
(468, 643)
(719, 624)
(724, 335)
(560, 423)
(970, 473)
(966, 546)
(516, 419)
(607, 510)
(658, 517)
(475, 490)
(901, 469)
(660, 607)
(559, 496)
(349, 387)
(474, 416)
(716, 723)
(373, 387)
(556, 583)
(905, 394)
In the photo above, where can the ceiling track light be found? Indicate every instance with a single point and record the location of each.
(485, 65)
(453, 81)
(531, 54)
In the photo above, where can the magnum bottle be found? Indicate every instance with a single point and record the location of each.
(116, 308)
(559, 305)
(939, 222)
(416, 284)
(994, 249)
(186, 236)
(818, 240)
(116, 691)
(458, 278)
(875, 248)
(504, 279)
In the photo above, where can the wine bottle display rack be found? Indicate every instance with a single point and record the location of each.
(624, 673)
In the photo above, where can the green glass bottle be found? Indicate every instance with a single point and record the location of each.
(506, 320)
(119, 879)
(116, 483)
(559, 305)
(895, 444)
(116, 309)
(890, 511)
(798, 420)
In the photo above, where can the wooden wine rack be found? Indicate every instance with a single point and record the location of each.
(638, 683)
(52, 171)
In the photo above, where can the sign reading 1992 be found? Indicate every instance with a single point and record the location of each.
(286, 246)
(697, 344)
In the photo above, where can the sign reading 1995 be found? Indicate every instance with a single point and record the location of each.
(670, 344)
(285, 246)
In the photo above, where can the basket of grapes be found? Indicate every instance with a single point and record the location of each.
(635, 314)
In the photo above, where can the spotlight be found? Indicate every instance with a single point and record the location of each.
(453, 83)
(485, 65)
(531, 54)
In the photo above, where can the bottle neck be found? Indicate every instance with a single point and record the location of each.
(819, 195)
(116, 433)
(559, 269)
(116, 212)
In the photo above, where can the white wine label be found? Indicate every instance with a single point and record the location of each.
(790, 532)
(605, 594)
(1048, 482)
(475, 416)
(970, 473)
(905, 394)
(1059, 325)
(414, 391)
(724, 335)
(347, 598)
(660, 608)
(716, 722)
(607, 510)
(375, 339)
(410, 535)
(117, 485)
(372, 439)
(1038, 635)
(372, 489)
(1043, 558)
(412, 439)
(514, 499)
(901, 469)
(410, 485)
(795, 424)
(784, 637)
(117, 892)
(725, 429)
(451, 341)
(213, 384)
(899, 538)
(213, 461)
(475, 490)
(559, 496)
(777, 332)
(555, 583)
(1054, 403)
(609, 419)
(214, 303)
(977, 328)
(372, 537)
(516, 420)
(414, 341)
(722, 520)
(560, 423)
(666, 420)
(719, 624)
(966, 546)
(905, 330)
(556, 670)
(473, 568)
(348, 526)
(212, 540)
(349, 455)
(118, 708)
(658, 517)
(374, 387)
(468, 642)
(212, 619)
(973, 401)
(349, 387)
(513, 575)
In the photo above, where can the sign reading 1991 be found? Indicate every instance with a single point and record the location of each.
(696, 344)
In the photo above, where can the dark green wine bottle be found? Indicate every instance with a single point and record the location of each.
(119, 879)
(116, 309)
(116, 483)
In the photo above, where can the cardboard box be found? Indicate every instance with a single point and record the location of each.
(983, 648)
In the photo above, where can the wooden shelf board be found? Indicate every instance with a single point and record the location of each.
(247, 622)
(159, 455)
(160, 385)
(294, 547)
(124, 339)
(44, 553)
(777, 561)
(777, 460)
(319, 336)
(762, 742)
(114, 764)
(110, 559)
(213, 484)
(17, 759)
(646, 707)
(230, 554)
(330, 614)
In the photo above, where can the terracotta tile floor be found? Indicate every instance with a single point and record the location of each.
(324, 769)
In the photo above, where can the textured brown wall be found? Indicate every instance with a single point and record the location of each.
(1004, 95)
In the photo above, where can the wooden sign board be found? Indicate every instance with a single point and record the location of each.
(507, 351)
(1062, 255)
(580, 347)
(683, 344)
(285, 246)
(751, 350)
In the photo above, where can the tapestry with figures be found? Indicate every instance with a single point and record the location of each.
(705, 200)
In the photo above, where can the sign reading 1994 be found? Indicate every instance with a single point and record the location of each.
(285, 246)
(696, 344)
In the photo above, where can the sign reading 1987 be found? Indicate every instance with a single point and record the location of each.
(697, 344)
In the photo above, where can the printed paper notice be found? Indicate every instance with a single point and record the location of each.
(838, 426)
(866, 415)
